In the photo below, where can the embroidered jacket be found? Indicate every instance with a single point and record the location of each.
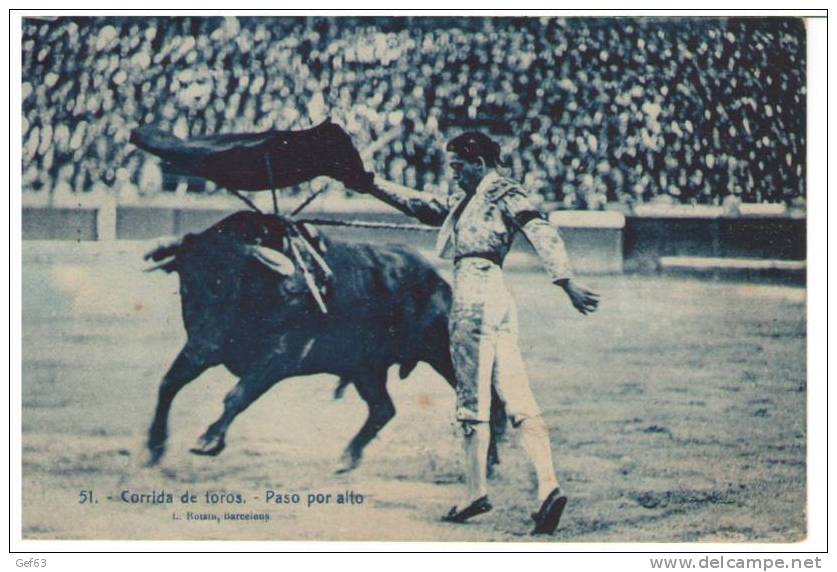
(483, 224)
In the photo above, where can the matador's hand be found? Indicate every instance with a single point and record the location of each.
(582, 299)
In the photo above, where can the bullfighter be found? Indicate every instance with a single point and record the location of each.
(478, 224)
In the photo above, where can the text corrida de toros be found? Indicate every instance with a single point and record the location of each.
(310, 499)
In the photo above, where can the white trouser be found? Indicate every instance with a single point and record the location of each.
(484, 345)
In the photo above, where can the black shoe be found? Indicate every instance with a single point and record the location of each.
(549, 515)
(479, 506)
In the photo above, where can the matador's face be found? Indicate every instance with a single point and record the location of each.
(467, 174)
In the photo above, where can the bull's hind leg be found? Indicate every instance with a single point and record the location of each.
(186, 367)
(249, 388)
(373, 389)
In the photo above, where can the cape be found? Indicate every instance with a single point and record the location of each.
(260, 161)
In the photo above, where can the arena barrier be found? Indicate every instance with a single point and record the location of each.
(598, 242)
(594, 239)
(650, 239)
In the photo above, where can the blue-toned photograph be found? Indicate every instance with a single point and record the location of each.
(414, 278)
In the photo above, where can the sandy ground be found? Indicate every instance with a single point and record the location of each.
(677, 414)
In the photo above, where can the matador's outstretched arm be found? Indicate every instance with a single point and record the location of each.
(424, 206)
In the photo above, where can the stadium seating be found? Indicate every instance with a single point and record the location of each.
(591, 112)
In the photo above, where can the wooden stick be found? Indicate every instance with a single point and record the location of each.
(272, 183)
(247, 201)
(307, 201)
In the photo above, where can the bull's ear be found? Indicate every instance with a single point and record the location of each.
(273, 259)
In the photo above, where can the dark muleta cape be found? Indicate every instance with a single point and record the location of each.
(261, 161)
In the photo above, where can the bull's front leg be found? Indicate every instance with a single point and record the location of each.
(373, 389)
(186, 367)
(247, 390)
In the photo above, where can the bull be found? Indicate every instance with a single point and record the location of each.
(248, 306)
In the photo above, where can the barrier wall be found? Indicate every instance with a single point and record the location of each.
(594, 240)
(59, 224)
(598, 242)
(648, 239)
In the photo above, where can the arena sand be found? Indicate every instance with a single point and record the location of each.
(677, 414)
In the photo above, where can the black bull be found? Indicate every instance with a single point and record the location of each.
(386, 305)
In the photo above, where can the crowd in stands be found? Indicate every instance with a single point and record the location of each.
(590, 111)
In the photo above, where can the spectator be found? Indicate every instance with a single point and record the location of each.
(593, 110)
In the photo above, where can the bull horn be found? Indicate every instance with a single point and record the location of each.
(164, 247)
(273, 259)
(167, 264)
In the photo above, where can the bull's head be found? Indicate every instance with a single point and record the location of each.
(166, 253)
(275, 243)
